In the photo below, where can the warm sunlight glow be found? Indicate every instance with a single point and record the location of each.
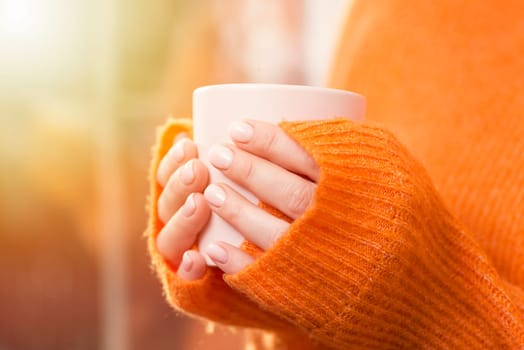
(42, 41)
(22, 19)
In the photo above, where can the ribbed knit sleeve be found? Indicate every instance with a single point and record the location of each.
(210, 297)
(377, 262)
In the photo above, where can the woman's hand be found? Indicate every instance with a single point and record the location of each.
(264, 160)
(267, 162)
(182, 207)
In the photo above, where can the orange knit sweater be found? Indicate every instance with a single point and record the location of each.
(414, 240)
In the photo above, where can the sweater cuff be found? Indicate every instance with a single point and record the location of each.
(209, 297)
(376, 261)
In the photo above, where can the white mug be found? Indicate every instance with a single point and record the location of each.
(215, 107)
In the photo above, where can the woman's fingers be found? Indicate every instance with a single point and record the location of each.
(183, 150)
(280, 188)
(270, 142)
(255, 224)
(192, 267)
(266, 161)
(180, 232)
(228, 258)
(189, 178)
(180, 175)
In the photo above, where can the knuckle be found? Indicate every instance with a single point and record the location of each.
(249, 170)
(300, 198)
(232, 212)
(268, 142)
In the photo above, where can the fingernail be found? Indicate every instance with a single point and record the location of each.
(220, 156)
(217, 253)
(180, 136)
(187, 175)
(189, 206)
(187, 262)
(215, 195)
(241, 132)
(178, 150)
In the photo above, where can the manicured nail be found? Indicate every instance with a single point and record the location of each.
(180, 136)
(189, 206)
(187, 262)
(241, 132)
(178, 150)
(187, 175)
(220, 156)
(215, 195)
(217, 253)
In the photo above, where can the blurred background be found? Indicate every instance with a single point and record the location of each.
(83, 85)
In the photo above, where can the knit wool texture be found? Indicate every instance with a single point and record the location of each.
(399, 249)
(375, 262)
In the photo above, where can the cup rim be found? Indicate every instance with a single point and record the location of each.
(273, 86)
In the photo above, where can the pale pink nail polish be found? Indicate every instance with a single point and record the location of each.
(187, 262)
(217, 253)
(178, 150)
(215, 195)
(241, 132)
(189, 206)
(220, 156)
(187, 175)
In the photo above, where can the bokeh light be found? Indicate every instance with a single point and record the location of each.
(83, 85)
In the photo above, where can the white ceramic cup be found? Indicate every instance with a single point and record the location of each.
(215, 107)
